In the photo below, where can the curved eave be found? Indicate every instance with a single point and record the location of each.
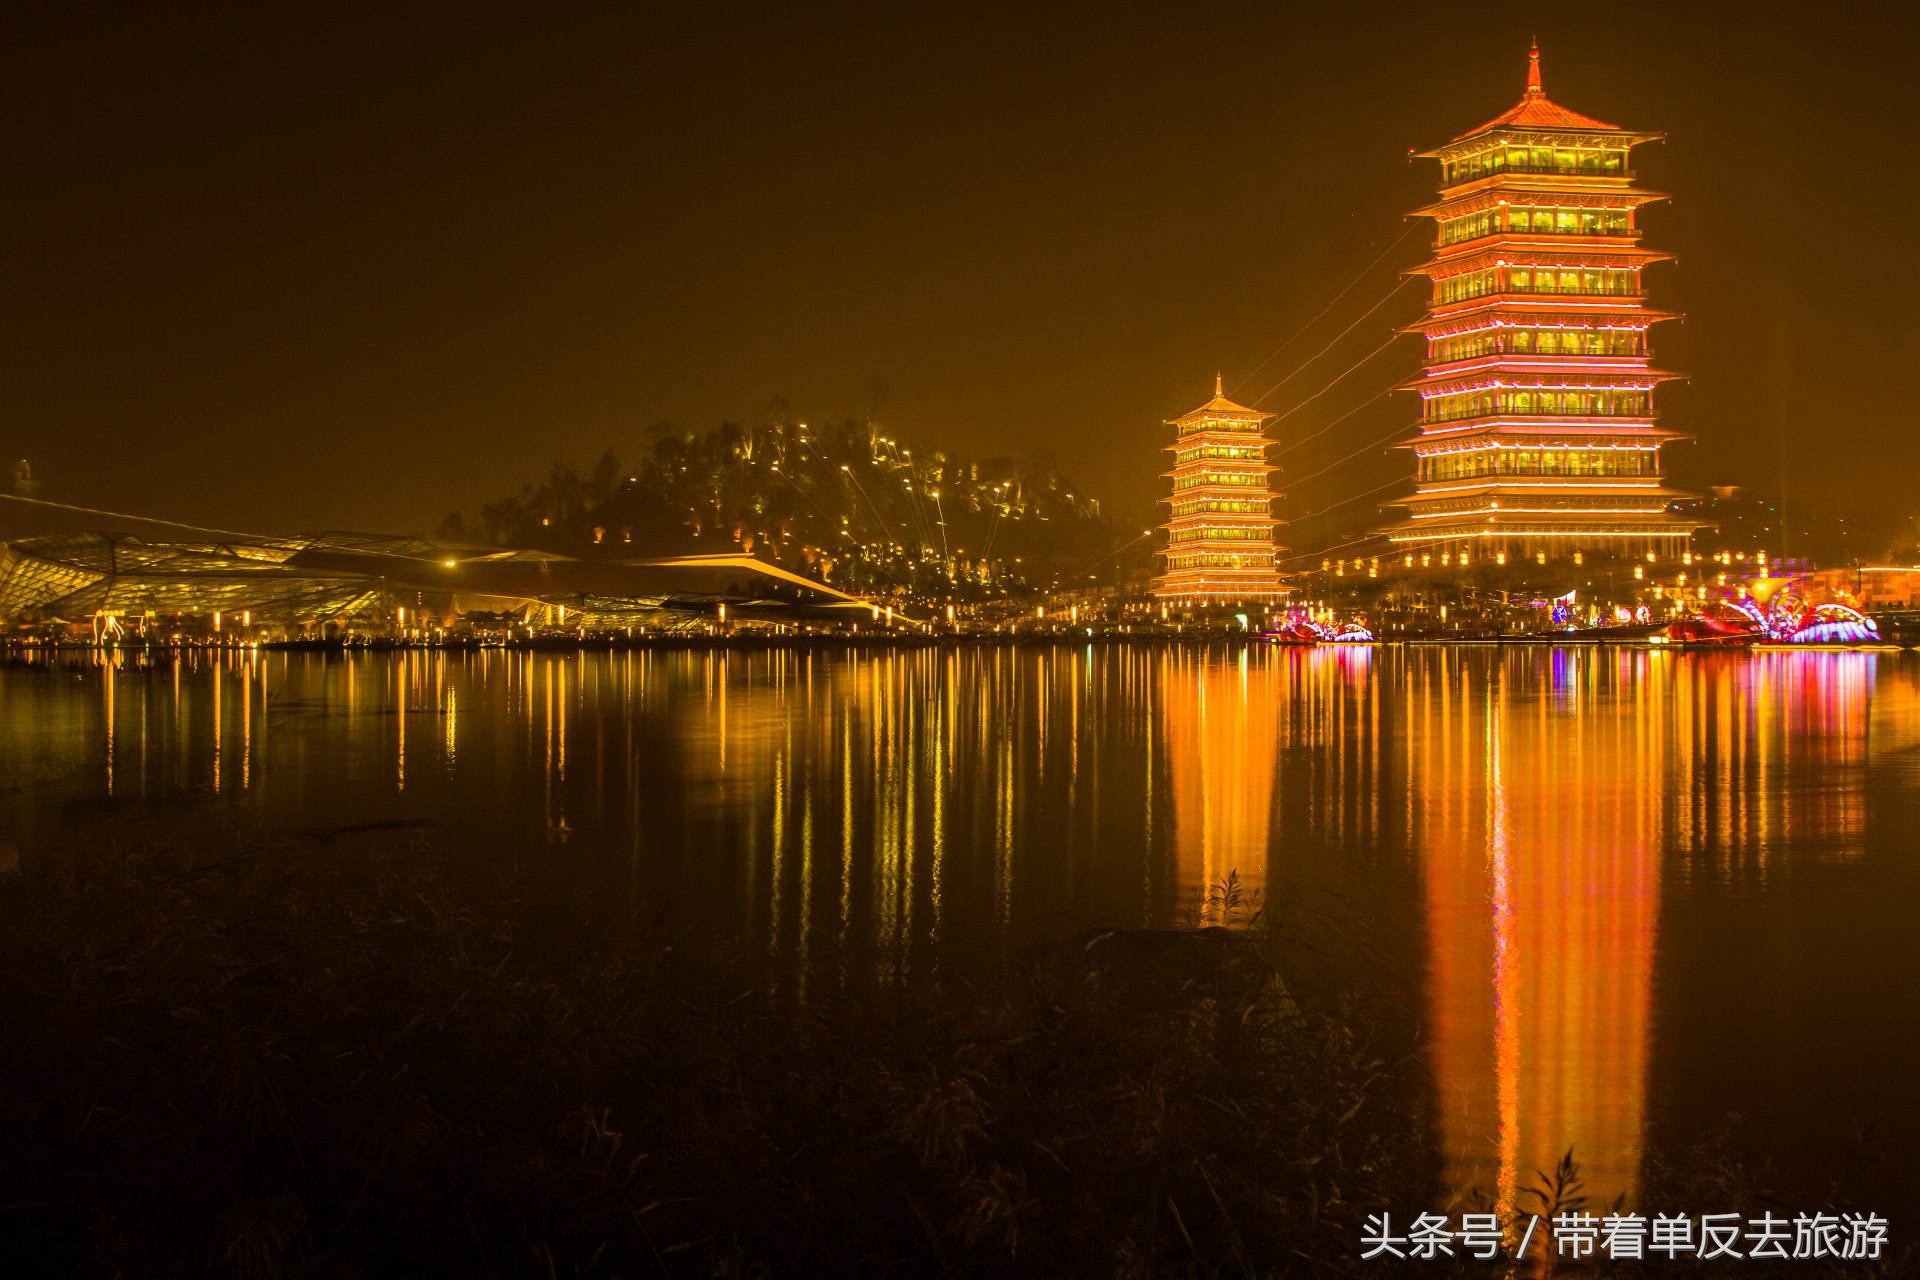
(1204, 492)
(1252, 417)
(1219, 520)
(1521, 523)
(1584, 253)
(1499, 243)
(1434, 379)
(1463, 201)
(1537, 315)
(1498, 126)
(1617, 304)
(1641, 428)
(1573, 486)
(1224, 440)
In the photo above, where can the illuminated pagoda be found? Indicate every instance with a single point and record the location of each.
(1538, 435)
(1220, 546)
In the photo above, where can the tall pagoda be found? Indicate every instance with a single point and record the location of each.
(1538, 435)
(1220, 546)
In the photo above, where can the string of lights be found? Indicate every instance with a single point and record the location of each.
(1308, 363)
(1391, 339)
(1375, 398)
(1311, 515)
(1301, 332)
(827, 520)
(1348, 458)
(122, 515)
(1399, 548)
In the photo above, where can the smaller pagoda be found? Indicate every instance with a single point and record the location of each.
(1220, 547)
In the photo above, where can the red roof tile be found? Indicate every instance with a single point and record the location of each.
(1536, 111)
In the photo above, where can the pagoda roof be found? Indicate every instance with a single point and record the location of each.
(1533, 310)
(1587, 305)
(1536, 110)
(1221, 407)
(1487, 196)
(1491, 251)
(1522, 524)
(1234, 467)
(1589, 432)
(1531, 364)
(1531, 487)
(1526, 373)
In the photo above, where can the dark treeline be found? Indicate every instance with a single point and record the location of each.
(848, 504)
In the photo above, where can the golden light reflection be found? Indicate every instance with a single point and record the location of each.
(1541, 862)
(400, 722)
(246, 721)
(1548, 792)
(1220, 726)
(106, 712)
(215, 681)
(1521, 810)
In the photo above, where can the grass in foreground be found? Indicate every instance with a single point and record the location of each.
(331, 1061)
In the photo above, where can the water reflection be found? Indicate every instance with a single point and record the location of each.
(1220, 732)
(1535, 791)
(1561, 844)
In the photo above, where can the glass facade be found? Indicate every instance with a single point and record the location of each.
(1471, 464)
(1522, 402)
(1521, 155)
(1536, 220)
(1554, 342)
(1592, 281)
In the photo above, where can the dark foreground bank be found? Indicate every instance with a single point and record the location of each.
(323, 1059)
(318, 1059)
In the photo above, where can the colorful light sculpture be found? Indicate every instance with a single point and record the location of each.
(1220, 543)
(1785, 618)
(1537, 427)
(1789, 619)
(1300, 628)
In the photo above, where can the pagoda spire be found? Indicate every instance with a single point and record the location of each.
(1534, 88)
(1218, 390)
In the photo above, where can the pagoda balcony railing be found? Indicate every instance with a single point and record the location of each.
(1629, 235)
(1508, 294)
(1639, 414)
(1540, 170)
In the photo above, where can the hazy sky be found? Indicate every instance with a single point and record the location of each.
(353, 268)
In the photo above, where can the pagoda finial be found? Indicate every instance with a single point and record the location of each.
(1534, 86)
(1218, 390)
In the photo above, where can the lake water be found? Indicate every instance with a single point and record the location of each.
(1635, 893)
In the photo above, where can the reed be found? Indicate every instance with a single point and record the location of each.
(327, 1058)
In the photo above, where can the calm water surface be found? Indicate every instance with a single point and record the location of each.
(1638, 893)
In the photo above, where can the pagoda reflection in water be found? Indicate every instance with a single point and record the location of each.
(1558, 842)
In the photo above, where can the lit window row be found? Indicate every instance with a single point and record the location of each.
(1509, 157)
(1558, 342)
(1226, 533)
(1256, 453)
(1221, 506)
(1536, 221)
(1231, 479)
(1220, 560)
(1539, 462)
(1486, 404)
(1605, 281)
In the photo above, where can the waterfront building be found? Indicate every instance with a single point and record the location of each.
(1538, 436)
(1220, 527)
(331, 583)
